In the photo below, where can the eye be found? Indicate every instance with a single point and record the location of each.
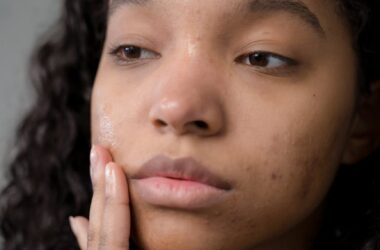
(132, 53)
(266, 60)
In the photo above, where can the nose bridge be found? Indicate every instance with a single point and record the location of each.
(192, 58)
(194, 61)
(192, 73)
(186, 98)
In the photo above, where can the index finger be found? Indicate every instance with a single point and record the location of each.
(116, 218)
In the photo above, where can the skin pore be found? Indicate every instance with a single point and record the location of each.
(264, 97)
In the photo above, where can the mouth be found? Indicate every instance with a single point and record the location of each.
(181, 183)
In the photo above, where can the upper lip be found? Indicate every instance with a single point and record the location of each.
(186, 168)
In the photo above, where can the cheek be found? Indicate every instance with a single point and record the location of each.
(116, 121)
(103, 128)
(113, 99)
(287, 160)
(103, 119)
(296, 142)
(303, 165)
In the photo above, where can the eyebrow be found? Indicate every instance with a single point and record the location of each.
(295, 7)
(115, 4)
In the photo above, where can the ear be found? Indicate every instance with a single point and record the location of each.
(365, 130)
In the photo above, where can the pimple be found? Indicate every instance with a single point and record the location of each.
(247, 168)
(207, 222)
(275, 176)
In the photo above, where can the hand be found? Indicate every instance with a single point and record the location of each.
(109, 224)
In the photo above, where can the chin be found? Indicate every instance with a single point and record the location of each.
(167, 229)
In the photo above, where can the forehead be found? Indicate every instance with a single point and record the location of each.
(307, 11)
(322, 17)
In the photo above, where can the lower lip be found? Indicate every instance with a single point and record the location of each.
(174, 193)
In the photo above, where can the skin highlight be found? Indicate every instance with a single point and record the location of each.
(106, 128)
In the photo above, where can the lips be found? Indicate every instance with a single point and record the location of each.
(180, 183)
(182, 169)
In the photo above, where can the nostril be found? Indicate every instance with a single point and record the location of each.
(201, 124)
(198, 124)
(159, 123)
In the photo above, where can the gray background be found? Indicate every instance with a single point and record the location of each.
(21, 22)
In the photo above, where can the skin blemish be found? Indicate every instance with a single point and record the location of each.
(275, 176)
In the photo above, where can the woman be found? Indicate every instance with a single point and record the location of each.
(214, 124)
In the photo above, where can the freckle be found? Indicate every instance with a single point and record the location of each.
(314, 95)
(233, 220)
(246, 168)
(275, 176)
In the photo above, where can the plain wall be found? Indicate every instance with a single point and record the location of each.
(21, 22)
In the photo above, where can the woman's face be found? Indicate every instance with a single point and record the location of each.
(260, 92)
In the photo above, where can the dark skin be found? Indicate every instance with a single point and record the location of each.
(287, 122)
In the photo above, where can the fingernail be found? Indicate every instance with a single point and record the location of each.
(110, 180)
(93, 162)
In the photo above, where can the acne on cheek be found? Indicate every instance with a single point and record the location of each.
(303, 161)
(275, 176)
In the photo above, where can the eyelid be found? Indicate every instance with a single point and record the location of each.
(116, 49)
(289, 66)
(288, 60)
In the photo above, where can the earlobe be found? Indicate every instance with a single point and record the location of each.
(365, 130)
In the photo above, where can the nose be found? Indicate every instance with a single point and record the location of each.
(187, 102)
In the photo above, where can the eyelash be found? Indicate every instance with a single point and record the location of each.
(282, 64)
(121, 58)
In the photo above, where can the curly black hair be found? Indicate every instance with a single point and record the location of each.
(48, 173)
(49, 177)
